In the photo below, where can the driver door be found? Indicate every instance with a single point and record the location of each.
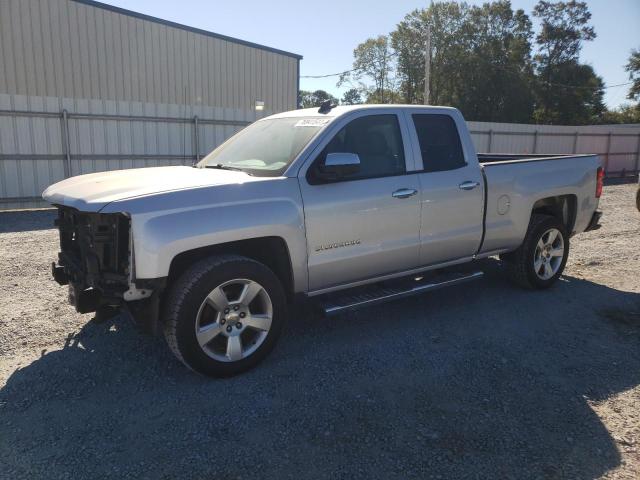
(365, 224)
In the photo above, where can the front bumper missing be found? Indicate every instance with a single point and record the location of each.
(141, 305)
(594, 224)
(59, 275)
(85, 300)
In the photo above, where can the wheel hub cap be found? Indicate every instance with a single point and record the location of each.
(549, 254)
(234, 320)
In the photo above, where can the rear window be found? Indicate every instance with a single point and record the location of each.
(439, 142)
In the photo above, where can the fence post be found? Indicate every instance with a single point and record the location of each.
(606, 161)
(535, 141)
(490, 140)
(637, 169)
(575, 142)
(195, 138)
(66, 143)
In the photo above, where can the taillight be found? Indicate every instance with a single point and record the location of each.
(599, 181)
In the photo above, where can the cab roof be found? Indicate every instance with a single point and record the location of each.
(343, 109)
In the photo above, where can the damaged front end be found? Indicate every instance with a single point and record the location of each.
(94, 257)
(96, 261)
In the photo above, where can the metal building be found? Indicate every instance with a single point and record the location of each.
(86, 86)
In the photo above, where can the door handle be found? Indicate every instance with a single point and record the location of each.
(468, 185)
(404, 193)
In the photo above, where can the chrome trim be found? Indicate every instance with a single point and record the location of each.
(468, 185)
(407, 293)
(404, 193)
(389, 276)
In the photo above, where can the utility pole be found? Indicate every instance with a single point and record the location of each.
(427, 65)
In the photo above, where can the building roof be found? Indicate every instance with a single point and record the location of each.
(168, 23)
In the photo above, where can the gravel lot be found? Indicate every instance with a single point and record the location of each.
(478, 381)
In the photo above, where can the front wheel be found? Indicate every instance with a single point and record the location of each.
(224, 315)
(541, 258)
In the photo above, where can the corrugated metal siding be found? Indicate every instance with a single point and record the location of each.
(109, 135)
(62, 48)
(103, 135)
(94, 59)
(618, 145)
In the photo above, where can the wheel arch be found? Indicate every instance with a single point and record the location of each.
(271, 251)
(563, 207)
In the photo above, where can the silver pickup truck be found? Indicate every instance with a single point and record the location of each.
(349, 205)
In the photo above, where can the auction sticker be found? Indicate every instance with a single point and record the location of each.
(312, 122)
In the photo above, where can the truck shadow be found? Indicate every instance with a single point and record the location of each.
(480, 380)
(27, 220)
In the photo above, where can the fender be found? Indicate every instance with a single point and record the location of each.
(164, 225)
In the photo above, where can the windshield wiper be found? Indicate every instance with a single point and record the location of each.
(220, 166)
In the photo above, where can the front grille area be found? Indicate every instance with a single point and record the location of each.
(94, 250)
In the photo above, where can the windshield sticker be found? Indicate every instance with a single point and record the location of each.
(312, 122)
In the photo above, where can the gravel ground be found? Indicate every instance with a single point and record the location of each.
(478, 381)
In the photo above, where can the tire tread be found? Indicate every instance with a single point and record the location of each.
(517, 262)
(181, 288)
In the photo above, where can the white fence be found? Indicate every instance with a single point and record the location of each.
(618, 145)
(45, 139)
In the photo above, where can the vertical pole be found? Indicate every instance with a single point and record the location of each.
(606, 161)
(575, 142)
(427, 66)
(490, 141)
(535, 141)
(196, 138)
(66, 143)
(298, 87)
(637, 168)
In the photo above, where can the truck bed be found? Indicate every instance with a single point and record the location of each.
(515, 182)
(488, 158)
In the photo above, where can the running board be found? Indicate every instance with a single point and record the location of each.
(374, 295)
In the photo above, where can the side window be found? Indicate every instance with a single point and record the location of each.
(377, 141)
(439, 142)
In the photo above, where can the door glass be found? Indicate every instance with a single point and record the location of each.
(377, 141)
(439, 142)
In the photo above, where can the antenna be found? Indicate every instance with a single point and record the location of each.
(325, 107)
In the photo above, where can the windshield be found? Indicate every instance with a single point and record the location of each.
(266, 147)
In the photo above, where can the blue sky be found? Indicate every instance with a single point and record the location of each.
(326, 32)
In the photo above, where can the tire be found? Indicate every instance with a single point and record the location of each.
(195, 310)
(638, 199)
(532, 267)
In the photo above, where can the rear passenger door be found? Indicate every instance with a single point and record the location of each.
(451, 189)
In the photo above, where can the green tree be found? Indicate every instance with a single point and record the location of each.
(388, 95)
(409, 40)
(623, 114)
(633, 67)
(567, 92)
(351, 97)
(314, 99)
(480, 59)
(372, 59)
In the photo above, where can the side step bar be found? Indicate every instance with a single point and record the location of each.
(379, 294)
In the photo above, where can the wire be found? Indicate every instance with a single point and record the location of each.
(394, 54)
(576, 87)
(497, 66)
(330, 74)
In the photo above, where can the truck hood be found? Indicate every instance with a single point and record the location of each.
(92, 192)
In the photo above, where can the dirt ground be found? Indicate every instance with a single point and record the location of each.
(483, 380)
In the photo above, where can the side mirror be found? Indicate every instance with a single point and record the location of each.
(339, 165)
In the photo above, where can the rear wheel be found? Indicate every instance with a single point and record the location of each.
(224, 315)
(541, 258)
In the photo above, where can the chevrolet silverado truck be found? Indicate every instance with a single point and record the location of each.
(351, 205)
